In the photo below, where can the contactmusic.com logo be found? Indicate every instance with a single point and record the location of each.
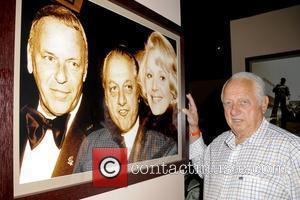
(110, 167)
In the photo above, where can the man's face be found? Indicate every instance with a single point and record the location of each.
(58, 65)
(157, 84)
(121, 95)
(243, 111)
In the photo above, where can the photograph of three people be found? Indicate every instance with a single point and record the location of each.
(90, 79)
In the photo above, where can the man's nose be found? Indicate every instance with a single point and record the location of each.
(61, 74)
(235, 109)
(122, 99)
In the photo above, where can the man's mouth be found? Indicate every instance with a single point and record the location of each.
(123, 112)
(236, 120)
(59, 93)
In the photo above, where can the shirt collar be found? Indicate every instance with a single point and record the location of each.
(72, 113)
(130, 135)
(260, 134)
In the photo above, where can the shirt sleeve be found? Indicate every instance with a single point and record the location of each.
(197, 155)
(295, 173)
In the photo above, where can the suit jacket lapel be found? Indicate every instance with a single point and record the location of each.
(76, 133)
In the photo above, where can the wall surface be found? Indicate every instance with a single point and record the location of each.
(170, 9)
(268, 33)
(164, 187)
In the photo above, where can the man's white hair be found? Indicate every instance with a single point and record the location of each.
(258, 82)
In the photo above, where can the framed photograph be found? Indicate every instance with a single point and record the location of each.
(72, 4)
(280, 74)
(109, 75)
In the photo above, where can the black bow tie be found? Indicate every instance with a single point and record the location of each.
(37, 126)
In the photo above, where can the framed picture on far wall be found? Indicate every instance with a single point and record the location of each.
(100, 76)
(74, 5)
(280, 73)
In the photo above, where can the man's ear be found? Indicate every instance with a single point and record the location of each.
(29, 60)
(265, 103)
(85, 71)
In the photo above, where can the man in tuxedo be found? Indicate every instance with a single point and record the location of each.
(51, 134)
(123, 126)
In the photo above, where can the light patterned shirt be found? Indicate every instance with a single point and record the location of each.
(265, 166)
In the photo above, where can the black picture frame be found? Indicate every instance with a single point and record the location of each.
(272, 68)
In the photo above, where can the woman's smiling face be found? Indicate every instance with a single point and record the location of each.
(157, 84)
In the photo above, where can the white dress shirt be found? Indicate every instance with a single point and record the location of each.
(265, 166)
(39, 163)
(129, 137)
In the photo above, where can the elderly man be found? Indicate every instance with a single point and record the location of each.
(123, 127)
(253, 160)
(51, 134)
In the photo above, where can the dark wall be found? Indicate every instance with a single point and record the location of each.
(207, 62)
(207, 42)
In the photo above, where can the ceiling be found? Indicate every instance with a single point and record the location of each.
(234, 9)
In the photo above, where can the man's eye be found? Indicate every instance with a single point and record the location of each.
(49, 58)
(227, 104)
(148, 75)
(74, 64)
(129, 88)
(113, 89)
(244, 102)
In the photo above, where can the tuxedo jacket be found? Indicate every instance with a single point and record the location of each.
(148, 144)
(81, 125)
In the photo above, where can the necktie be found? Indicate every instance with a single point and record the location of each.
(37, 126)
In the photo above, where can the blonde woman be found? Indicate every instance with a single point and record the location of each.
(158, 80)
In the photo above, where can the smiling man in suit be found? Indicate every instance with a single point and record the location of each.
(51, 134)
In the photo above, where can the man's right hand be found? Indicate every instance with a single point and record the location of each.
(192, 118)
